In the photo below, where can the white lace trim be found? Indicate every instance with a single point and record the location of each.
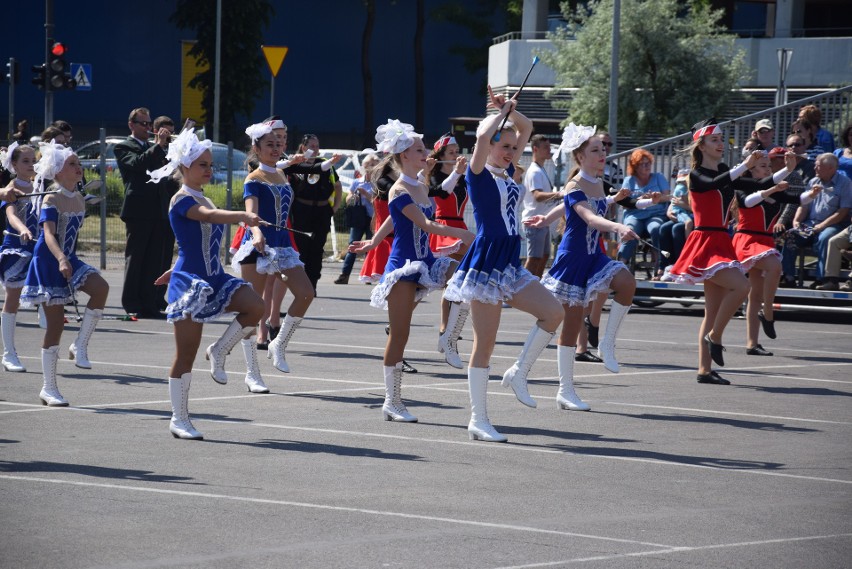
(490, 288)
(430, 279)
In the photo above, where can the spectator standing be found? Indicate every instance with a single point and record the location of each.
(539, 199)
(145, 218)
(844, 153)
(22, 135)
(764, 131)
(807, 131)
(613, 176)
(67, 131)
(359, 214)
(318, 197)
(827, 215)
(824, 138)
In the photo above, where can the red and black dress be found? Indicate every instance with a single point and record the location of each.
(376, 259)
(754, 239)
(449, 210)
(709, 249)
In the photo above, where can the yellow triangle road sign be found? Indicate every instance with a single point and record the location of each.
(274, 57)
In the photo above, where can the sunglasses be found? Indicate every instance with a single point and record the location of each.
(607, 144)
(143, 123)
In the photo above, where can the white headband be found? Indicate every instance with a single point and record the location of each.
(259, 130)
(276, 124)
(574, 136)
(395, 137)
(53, 157)
(6, 157)
(183, 150)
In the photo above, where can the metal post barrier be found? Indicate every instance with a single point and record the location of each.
(229, 200)
(103, 199)
(781, 307)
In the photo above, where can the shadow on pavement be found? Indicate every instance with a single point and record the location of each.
(321, 448)
(94, 471)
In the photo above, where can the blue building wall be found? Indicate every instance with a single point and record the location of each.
(135, 54)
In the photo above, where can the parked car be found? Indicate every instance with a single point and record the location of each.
(90, 159)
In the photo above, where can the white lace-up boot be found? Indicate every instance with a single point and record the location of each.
(566, 397)
(79, 350)
(180, 426)
(219, 350)
(279, 344)
(393, 408)
(606, 350)
(50, 395)
(448, 341)
(516, 376)
(480, 428)
(254, 381)
(10, 355)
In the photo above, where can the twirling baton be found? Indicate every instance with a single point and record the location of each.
(285, 228)
(534, 61)
(665, 254)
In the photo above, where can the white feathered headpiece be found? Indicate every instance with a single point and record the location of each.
(6, 157)
(259, 130)
(394, 137)
(575, 135)
(53, 157)
(183, 150)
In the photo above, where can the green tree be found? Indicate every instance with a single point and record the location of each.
(242, 82)
(677, 64)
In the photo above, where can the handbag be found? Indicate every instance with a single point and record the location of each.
(356, 215)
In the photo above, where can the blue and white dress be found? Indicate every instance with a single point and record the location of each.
(410, 258)
(199, 287)
(44, 283)
(273, 206)
(491, 270)
(581, 269)
(14, 256)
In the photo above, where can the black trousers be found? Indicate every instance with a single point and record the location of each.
(144, 261)
(317, 220)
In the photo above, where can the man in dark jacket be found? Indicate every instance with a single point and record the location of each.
(144, 215)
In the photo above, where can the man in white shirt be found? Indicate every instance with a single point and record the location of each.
(539, 199)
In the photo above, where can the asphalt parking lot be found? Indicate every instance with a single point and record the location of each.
(663, 472)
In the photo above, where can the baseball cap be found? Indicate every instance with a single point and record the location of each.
(764, 123)
(682, 174)
(777, 152)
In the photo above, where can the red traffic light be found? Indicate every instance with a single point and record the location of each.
(58, 49)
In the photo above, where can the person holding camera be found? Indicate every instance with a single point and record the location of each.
(359, 214)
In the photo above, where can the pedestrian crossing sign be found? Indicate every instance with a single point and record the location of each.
(82, 74)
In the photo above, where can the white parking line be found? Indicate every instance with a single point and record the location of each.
(289, 503)
(675, 550)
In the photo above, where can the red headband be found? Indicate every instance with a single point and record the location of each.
(706, 131)
(445, 140)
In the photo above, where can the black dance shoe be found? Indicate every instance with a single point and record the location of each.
(768, 326)
(587, 357)
(592, 332)
(407, 368)
(712, 378)
(715, 350)
(273, 331)
(758, 351)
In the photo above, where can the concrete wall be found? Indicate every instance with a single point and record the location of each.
(816, 62)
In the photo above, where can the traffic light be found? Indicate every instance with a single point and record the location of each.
(59, 76)
(40, 78)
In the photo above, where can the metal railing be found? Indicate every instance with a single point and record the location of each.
(836, 108)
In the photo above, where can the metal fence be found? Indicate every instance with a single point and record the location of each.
(836, 108)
